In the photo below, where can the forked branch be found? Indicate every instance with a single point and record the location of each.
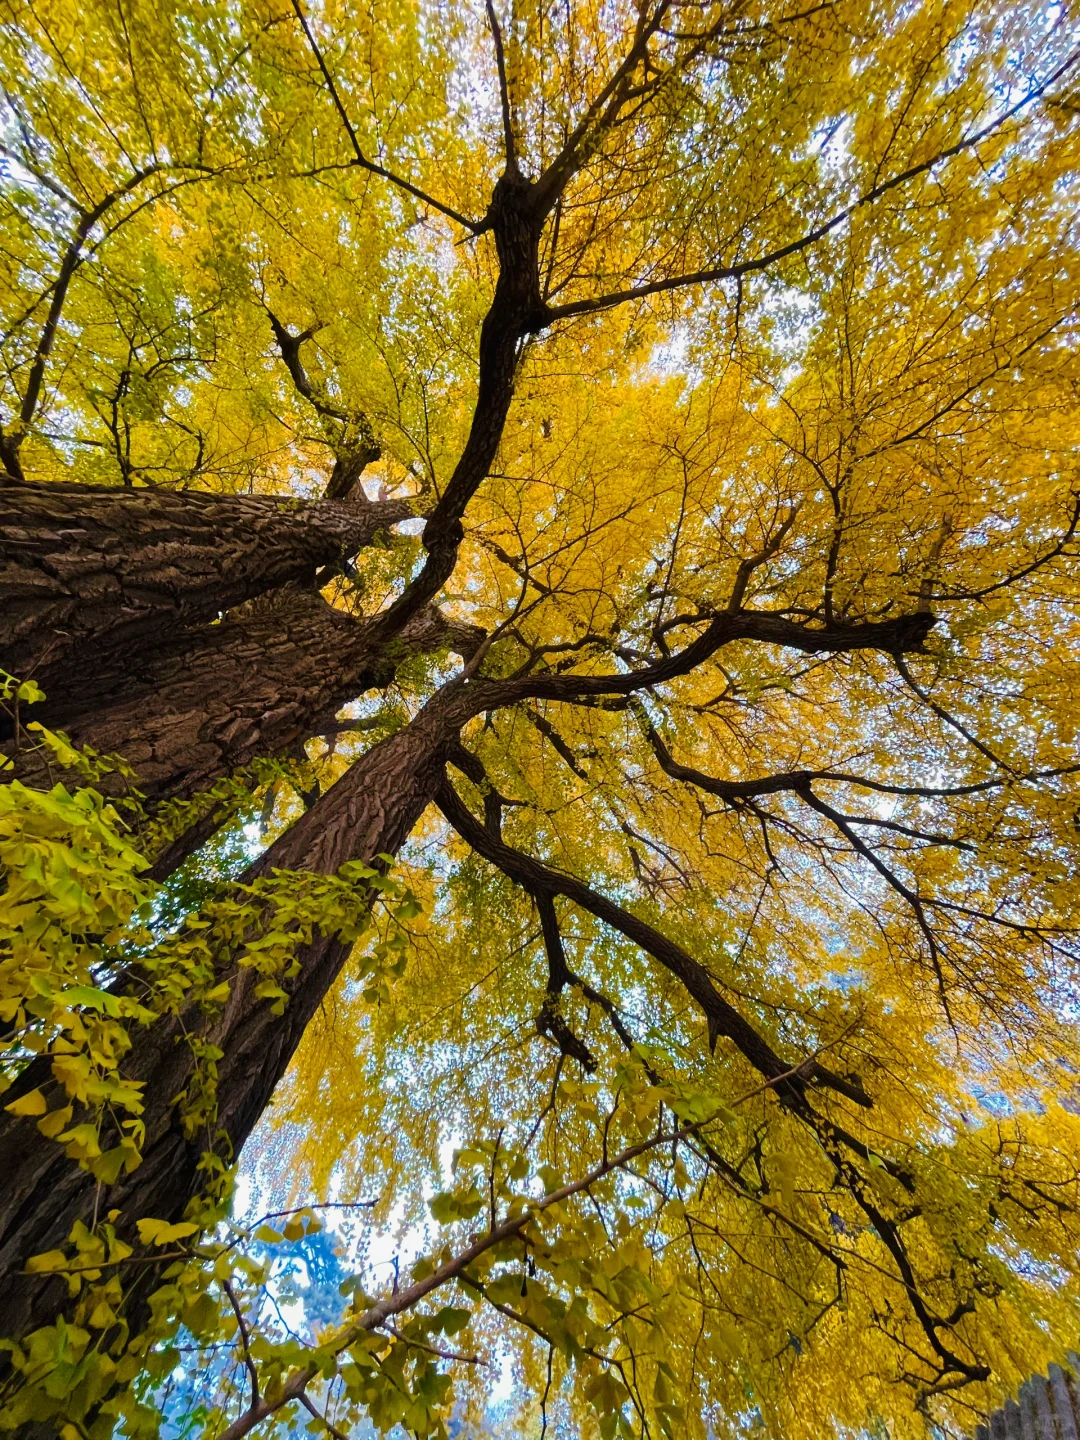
(360, 159)
(723, 1020)
(740, 269)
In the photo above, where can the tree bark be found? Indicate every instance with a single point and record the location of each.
(254, 686)
(87, 572)
(369, 812)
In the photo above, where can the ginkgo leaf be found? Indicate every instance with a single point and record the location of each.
(160, 1232)
(32, 1103)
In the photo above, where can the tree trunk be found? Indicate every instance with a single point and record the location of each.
(369, 812)
(254, 686)
(87, 572)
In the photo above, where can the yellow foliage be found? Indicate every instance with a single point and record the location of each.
(802, 358)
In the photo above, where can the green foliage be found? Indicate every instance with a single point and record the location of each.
(80, 971)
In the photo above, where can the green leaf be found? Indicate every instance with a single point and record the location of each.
(450, 1319)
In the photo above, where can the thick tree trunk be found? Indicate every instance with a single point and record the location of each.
(369, 812)
(254, 686)
(87, 572)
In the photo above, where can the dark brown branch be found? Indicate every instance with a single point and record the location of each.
(950, 720)
(10, 443)
(798, 780)
(904, 633)
(353, 453)
(513, 218)
(893, 881)
(754, 562)
(600, 113)
(318, 1414)
(245, 1342)
(559, 745)
(1052, 554)
(549, 1021)
(454, 1268)
(504, 92)
(723, 1019)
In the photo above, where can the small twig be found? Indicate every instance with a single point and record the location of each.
(326, 1205)
(314, 1410)
(491, 1177)
(435, 1349)
(245, 1340)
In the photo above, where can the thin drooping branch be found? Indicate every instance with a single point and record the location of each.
(950, 720)
(550, 1021)
(404, 1299)
(74, 255)
(893, 881)
(722, 1019)
(1056, 550)
(312, 1409)
(801, 783)
(11, 442)
(797, 780)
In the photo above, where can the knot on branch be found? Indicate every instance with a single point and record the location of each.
(442, 536)
(349, 465)
(911, 631)
(431, 629)
(553, 1026)
(899, 635)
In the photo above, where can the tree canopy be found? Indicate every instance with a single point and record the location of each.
(540, 651)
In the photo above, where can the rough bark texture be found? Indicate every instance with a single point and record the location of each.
(369, 812)
(88, 572)
(212, 701)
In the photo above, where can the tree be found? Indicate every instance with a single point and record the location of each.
(717, 363)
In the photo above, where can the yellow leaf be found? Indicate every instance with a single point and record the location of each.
(102, 1316)
(160, 1232)
(29, 1104)
(48, 1261)
(54, 1122)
